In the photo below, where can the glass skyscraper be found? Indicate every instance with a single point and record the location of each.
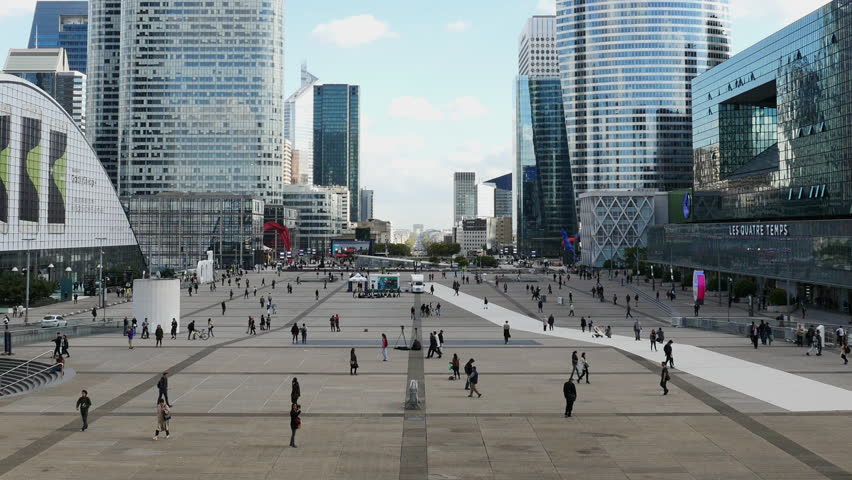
(626, 69)
(201, 96)
(299, 126)
(464, 196)
(60, 24)
(102, 93)
(544, 195)
(337, 139)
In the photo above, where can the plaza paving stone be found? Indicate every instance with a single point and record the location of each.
(231, 396)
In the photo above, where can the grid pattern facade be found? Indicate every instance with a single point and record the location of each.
(464, 196)
(786, 153)
(61, 24)
(320, 214)
(612, 222)
(55, 198)
(544, 194)
(299, 126)
(337, 139)
(537, 54)
(201, 97)
(366, 205)
(626, 69)
(103, 71)
(176, 230)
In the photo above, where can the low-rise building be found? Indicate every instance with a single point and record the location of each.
(472, 235)
(323, 213)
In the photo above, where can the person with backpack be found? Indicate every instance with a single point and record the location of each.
(468, 370)
(294, 330)
(163, 418)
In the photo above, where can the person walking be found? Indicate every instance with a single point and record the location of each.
(145, 333)
(454, 364)
(163, 418)
(384, 348)
(83, 404)
(474, 380)
(575, 360)
(468, 370)
(668, 351)
(653, 340)
(130, 334)
(486, 302)
(163, 388)
(571, 310)
(295, 422)
(174, 329)
(304, 332)
(353, 363)
(585, 365)
(583, 324)
(433, 345)
(158, 336)
(754, 334)
(844, 352)
(570, 393)
(65, 346)
(506, 334)
(628, 314)
(637, 330)
(294, 330)
(57, 350)
(223, 303)
(295, 391)
(664, 378)
(210, 327)
(540, 305)
(94, 313)
(316, 295)
(550, 321)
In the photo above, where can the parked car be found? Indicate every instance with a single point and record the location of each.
(53, 321)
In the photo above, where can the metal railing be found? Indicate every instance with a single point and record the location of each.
(741, 326)
(23, 336)
(27, 364)
(7, 387)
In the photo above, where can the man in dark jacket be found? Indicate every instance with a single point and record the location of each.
(433, 345)
(163, 389)
(668, 351)
(570, 392)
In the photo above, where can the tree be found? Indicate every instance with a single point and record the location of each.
(744, 288)
(462, 262)
(777, 296)
(487, 261)
(13, 288)
(442, 249)
(399, 250)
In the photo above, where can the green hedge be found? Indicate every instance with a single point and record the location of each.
(777, 296)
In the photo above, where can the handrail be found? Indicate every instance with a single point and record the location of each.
(21, 365)
(3, 389)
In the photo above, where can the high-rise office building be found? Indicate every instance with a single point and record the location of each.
(486, 198)
(48, 69)
(366, 205)
(502, 195)
(544, 201)
(58, 24)
(337, 144)
(287, 163)
(464, 196)
(626, 87)
(299, 126)
(102, 69)
(202, 119)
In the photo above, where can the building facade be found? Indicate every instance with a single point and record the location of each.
(502, 195)
(56, 201)
(321, 214)
(299, 126)
(103, 71)
(615, 220)
(772, 198)
(464, 196)
(472, 235)
(544, 194)
(537, 55)
(380, 230)
(175, 230)
(337, 139)
(287, 163)
(486, 198)
(625, 70)
(499, 233)
(62, 24)
(366, 205)
(224, 134)
(47, 68)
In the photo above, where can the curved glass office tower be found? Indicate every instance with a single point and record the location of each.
(626, 69)
(201, 97)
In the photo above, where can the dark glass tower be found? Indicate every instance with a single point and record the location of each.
(544, 194)
(337, 140)
(62, 25)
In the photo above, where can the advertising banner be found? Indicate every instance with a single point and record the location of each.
(57, 174)
(699, 286)
(30, 170)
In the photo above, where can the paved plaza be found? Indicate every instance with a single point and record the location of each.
(733, 412)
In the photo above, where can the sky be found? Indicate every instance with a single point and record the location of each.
(436, 83)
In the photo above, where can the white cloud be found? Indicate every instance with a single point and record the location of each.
(415, 108)
(352, 31)
(458, 26)
(546, 7)
(12, 8)
(466, 107)
(418, 108)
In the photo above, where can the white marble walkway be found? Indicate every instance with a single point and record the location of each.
(785, 390)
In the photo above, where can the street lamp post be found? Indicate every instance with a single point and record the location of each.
(730, 281)
(27, 273)
(101, 273)
(653, 280)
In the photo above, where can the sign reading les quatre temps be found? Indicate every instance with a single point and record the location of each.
(758, 230)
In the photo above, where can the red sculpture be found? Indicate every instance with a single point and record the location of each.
(283, 233)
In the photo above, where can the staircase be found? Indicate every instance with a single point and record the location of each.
(22, 378)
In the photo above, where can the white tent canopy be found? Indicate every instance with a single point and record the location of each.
(358, 278)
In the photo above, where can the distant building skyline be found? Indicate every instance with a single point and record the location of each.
(464, 196)
(62, 24)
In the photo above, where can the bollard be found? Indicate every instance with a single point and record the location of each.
(413, 400)
(7, 341)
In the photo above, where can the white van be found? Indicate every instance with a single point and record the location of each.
(417, 285)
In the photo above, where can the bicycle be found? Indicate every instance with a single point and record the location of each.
(200, 334)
